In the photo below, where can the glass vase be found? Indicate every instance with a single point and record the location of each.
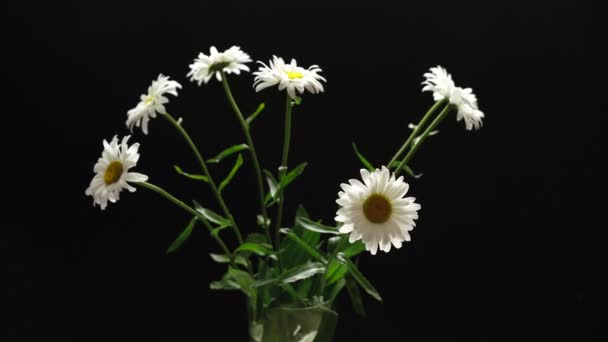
(295, 323)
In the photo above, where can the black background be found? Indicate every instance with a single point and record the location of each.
(508, 243)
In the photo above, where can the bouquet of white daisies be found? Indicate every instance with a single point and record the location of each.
(277, 267)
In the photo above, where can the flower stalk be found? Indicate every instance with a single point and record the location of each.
(203, 165)
(187, 208)
(418, 128)
(254, 155)
(283, 168)
(424, 135)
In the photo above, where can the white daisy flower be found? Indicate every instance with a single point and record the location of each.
(466, 103)
(112, 172)
(231, 61)
(289, 76)
(375, 211)
(440, 82)
(152, 103)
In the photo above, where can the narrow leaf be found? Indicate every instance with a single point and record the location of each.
(335, 290)
(335, 272)
(292, 253)
(355, 296)
(301, 212)
(407, 169)
(361, 280)
(272, 183)
(255, 114)
(354, 249)
(291, 176)
(302, 272)
(312, 251)
(334, 242)
(297, 101)
(257, 238)
(295, 274)
(235, 169)
(211, 215)
(182, 237)
(364, 161)
(316, 227)
(244, 279)
(216, 231)
(284, 182)
(225, 259)
(234, 279)
(224, 284)
(225, 153)
(189, 175)
(256, 248)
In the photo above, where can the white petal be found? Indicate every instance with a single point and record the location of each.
(346, 228)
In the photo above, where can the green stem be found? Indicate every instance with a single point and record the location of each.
(187, 208)
(201, 161)
(418, 128)
(423, 137)
(254, 155)
(283, 168)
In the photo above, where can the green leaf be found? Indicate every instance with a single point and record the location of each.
(284, 182)
(257, 238)
(335, 290)
(291, 176)
(292, 253)
(189, 175)
(255, 114)
(316, 227)
(272, 184)
(303, 288)
(335, 272)
(225, 259)
(182, 237)
(224, 284)
(310, 250)
(211, 215)
(364, 161)
(225, 153)
(256, 248)
(235, 279)
(295, 296)
(295, 274)
(361, 280)
(235, 169)
(216, 231)
(334, 242)
(302, 272)
(407, 169)
(355, 296)
(301, 212)
(354, 249)
(297, 101)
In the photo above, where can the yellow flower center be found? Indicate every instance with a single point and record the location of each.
(113, 172)
(377, 208)
(149, 100)
(294, 74)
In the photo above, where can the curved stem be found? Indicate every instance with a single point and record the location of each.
(254, 155)
(187, 208)
(418, 128)
(283, 168)
(201, 161)
(423, 137)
